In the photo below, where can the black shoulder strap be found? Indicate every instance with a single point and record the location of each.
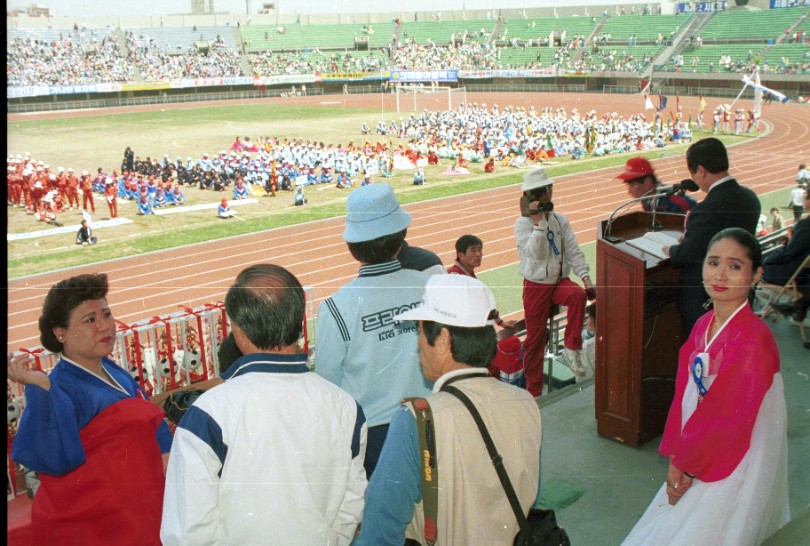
(429, 466)
(497, 460)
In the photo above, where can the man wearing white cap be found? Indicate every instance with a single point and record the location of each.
(548, 251)
(456, 343)
(360, 348)
(86, 189)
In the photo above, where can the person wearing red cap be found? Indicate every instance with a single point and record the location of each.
(641, 181)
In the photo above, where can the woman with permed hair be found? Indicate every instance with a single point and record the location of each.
(88, 428)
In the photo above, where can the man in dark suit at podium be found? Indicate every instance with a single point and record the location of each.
(727, 204)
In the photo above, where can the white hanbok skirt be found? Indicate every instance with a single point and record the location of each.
(743, 509)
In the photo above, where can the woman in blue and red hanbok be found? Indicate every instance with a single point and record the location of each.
(99, 445)
(726, 433)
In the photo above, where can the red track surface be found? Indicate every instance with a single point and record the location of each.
(157, 283)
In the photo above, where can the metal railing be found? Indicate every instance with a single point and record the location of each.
(57, 105)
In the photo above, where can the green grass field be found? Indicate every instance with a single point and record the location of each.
(99, 141)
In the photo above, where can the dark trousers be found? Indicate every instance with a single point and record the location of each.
(374, 445)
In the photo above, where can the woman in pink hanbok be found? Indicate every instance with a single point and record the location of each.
(726, 433)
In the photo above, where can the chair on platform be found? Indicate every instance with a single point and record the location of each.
(555, 329)
(787, 294)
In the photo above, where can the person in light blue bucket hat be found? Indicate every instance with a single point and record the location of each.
(360, 347)
(373, 212)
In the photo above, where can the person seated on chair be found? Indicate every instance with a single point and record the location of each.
(456, 345)
(548, 251)
(779, 266)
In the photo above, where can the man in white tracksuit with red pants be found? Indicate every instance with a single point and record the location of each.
(548, 251)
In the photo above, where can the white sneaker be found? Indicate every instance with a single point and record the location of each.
(572, 359)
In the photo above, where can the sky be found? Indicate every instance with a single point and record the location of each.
(128, 8)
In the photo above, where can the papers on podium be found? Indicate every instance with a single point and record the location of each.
(653, 242)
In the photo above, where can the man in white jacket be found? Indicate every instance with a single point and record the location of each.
(274, 455)
(548, 251)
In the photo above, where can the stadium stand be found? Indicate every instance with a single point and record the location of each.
(750, 26)
(181, 39)
(306, 37)
(441, 32)
(609, 43)
(645, 28)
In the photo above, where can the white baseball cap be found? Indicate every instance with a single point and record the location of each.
(454, 300)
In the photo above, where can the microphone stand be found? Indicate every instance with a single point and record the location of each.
(608, 237)
(656, 226)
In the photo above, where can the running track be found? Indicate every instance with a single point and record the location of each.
(157, 283)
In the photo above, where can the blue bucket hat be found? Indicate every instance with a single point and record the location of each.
(373, 212)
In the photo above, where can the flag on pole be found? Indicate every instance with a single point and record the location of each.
(648, 105)
(662, 101)
(757, 85)
(690, 121)
(677, 102)
(701, 105)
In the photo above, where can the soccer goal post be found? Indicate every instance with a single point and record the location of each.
(418, 97)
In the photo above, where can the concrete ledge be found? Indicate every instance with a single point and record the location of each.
(66, 229)
(174, 210)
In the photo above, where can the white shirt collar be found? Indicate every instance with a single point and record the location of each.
(720, 181)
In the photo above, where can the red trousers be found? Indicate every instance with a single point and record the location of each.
(113, 206)
(73, 197)
(87, 195)
(537, 302)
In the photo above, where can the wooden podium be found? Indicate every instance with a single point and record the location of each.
(638, 331)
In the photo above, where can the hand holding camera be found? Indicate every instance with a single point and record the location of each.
(540, 208)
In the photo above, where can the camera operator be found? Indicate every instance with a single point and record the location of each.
(548, 251)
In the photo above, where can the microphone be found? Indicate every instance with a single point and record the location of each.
(651, 194)
(685, 185)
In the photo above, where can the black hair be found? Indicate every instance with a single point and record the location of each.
(466, 241)
(378, 251)
(267, 303)
(537, 193)
(62, 299)
(709, 153)
(590, 310)
(742, 237)
(644, 177)
(471, 346)
(228, 353)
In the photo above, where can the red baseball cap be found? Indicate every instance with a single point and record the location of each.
(636, 167)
